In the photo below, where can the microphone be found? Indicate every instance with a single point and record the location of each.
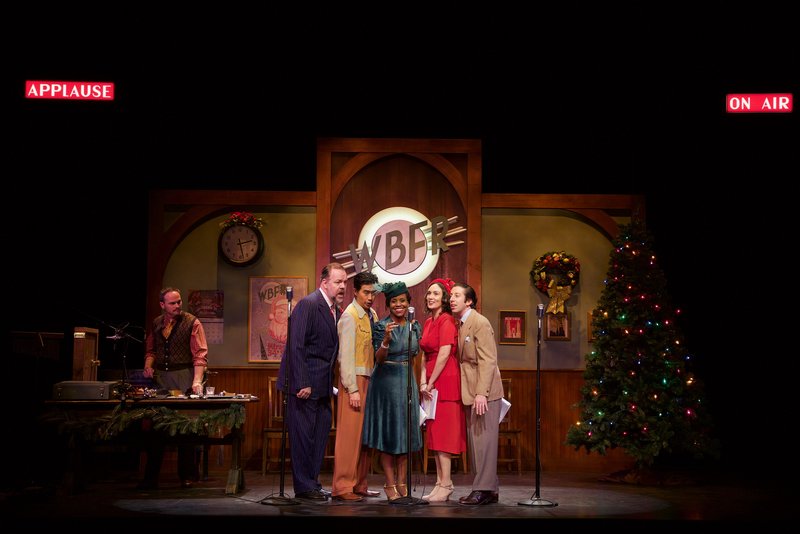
(540, 310)
(411, 313)
(289, 293)
(118, 332)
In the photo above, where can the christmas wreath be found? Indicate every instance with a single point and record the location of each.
(557, 269)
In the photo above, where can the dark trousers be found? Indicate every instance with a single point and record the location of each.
(154, 445)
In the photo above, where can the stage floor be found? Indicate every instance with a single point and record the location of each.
(564, 499)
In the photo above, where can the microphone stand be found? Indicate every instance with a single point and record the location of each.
(281, 499)
(121, 334)
(408, 500)
(535, 500)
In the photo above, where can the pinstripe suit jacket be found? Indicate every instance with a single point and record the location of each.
(311, 348)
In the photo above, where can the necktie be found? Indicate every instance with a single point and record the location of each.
(168, 329)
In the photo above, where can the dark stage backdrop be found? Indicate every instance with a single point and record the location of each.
(629, 100)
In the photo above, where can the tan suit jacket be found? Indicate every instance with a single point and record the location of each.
(477, 351)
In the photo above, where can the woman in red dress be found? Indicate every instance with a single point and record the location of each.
(446, 434)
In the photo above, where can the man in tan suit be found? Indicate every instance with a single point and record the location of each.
(481, 392)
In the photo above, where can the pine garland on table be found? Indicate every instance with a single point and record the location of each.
(205, 423)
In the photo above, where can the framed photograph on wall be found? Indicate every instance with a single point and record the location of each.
(268, 316)
(557, 326)
(208, 305)
(511, 328)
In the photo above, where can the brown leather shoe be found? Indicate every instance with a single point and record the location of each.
(368, 493)
(479, 497)
(348, 497)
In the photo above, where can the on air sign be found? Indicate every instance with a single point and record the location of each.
(70, 90)
(759, 103)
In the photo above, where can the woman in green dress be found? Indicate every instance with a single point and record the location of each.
(385, 416)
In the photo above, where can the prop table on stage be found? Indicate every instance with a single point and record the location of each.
(102, 416)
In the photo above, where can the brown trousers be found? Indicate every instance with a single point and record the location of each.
(351, 459)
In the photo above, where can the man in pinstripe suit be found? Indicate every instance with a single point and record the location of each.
(307, 367)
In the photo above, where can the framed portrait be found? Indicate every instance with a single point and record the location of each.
(511, 328)
(268, 315)
(208, 305)
(557, 326)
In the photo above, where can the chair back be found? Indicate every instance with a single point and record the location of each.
(274, 403)
(510, 447)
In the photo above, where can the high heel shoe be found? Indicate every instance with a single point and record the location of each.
(402, 489)
(391, 492)
(442, 495)
(432, 493)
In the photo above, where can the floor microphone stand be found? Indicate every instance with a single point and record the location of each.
(124, 386)
(408, 500)
(535, 500)
(281, 499)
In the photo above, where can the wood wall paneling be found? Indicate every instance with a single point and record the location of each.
(559, 392)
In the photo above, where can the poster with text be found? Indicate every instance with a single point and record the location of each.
(268, 318)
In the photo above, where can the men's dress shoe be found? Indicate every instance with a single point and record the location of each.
(185, 484)
(368, 493)
(147, 485)
(313, 495)
(479, 497)
(349, 497)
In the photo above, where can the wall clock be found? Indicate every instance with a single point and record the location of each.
(241, 245)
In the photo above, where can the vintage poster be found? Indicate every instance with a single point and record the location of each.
(269, 315)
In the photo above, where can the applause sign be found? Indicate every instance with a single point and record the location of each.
(759, 103)
(69, 90)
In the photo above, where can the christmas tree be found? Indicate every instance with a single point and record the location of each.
(640, 392)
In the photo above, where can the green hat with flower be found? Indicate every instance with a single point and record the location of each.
(392, 289)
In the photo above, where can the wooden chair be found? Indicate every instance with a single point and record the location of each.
(509, 449)
(273, 429)
(329, 451)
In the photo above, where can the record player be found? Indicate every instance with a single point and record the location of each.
(85, 390)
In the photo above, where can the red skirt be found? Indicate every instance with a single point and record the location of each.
(448, 432)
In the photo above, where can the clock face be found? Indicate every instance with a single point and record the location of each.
(241, 245)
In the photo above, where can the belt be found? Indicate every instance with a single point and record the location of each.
(402, 362)
(173, 367)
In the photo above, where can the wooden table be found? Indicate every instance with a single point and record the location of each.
(76, 411)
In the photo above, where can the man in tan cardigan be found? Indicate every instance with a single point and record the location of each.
(356, 360)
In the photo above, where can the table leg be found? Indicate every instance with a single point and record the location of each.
(236, 474)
